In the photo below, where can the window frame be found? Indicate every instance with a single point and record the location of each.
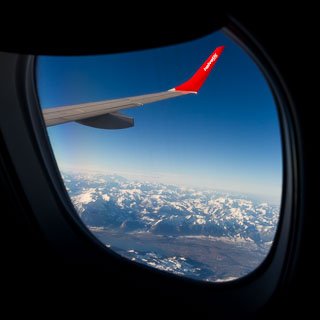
(34, 164)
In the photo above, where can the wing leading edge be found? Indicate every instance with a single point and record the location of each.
(105, 115)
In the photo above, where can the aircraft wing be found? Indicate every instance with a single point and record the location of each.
(105, 115)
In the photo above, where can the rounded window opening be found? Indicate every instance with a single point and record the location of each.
(192, 186)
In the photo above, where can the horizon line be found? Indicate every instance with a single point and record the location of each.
(156, 178)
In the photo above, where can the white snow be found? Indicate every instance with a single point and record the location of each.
(83, 198)
(201, 221)
(105, 197)
(86, 197)
(226, 279)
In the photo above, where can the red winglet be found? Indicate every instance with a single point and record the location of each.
(195, 83)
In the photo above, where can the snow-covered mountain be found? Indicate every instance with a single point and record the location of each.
(113, 201)
(202, 234)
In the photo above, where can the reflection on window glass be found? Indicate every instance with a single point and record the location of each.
(194, 187)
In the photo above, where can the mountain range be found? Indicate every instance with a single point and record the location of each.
(130, 213)
(113, 201)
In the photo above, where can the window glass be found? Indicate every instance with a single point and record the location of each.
(194, 187)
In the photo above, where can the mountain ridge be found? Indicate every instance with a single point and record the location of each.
(112, 201)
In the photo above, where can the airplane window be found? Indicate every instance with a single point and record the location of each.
(186, 183)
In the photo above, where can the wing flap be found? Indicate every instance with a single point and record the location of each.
(115, 120)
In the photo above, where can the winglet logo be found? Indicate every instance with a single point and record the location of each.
(214, 58)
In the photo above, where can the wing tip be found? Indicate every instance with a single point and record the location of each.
(196, 81)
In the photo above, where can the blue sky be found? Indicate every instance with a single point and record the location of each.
(226, 137)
